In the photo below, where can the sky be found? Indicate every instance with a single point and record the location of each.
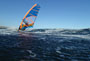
(70, 14)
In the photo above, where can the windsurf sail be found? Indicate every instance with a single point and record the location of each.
(30, 17)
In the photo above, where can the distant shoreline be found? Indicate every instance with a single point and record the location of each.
(3, 27)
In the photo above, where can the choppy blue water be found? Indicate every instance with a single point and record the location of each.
(45, 45)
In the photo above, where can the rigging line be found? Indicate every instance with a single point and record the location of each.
(29, 19)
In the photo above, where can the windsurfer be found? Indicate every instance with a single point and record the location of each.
(29, 18)
(26, 25)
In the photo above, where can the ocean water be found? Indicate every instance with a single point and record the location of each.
(45, 45)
